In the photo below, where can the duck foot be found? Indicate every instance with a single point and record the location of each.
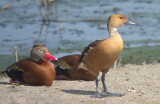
(97, 95)
(18, 82)
(106, 94)
(62, 77)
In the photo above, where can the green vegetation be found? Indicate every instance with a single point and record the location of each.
(139, 55)
(136, 55)
(7, 60)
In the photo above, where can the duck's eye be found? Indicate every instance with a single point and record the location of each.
(41, 50)
(121, 17)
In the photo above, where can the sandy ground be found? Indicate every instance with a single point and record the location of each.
(139, 83)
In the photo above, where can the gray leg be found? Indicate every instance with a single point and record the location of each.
(104, 83)
(97, 90)
(106, 92)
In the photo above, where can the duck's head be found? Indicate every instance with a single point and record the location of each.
(40, 52)
(117, 20)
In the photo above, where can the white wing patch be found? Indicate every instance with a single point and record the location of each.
(82, 65)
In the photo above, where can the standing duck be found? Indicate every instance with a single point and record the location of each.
(36, 70)
(67, 69)
(101, 54)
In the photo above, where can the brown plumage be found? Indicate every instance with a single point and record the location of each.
(36, 70)
(101, 54)
(67, 68)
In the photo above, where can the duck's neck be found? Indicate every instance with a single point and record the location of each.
(35, 59)
(111, 28)
(112, 31)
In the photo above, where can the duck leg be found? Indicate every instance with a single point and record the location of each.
(97, 95)
(106, 92)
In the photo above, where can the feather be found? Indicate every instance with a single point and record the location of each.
(87, 49)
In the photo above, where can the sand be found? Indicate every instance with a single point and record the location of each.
(139, 83)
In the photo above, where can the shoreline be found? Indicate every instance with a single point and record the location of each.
(136, 55)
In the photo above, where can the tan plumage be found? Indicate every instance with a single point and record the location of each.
(101, 54)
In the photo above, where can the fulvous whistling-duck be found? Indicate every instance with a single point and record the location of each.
(36, 70)
(67, 68)
(101, 54)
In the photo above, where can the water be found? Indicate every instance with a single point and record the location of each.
(75, 23)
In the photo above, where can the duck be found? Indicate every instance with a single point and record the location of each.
(67, 69)
(37, 70)
(99, 55)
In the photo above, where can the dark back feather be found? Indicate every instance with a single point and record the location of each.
(86, 49)
(15, 75)
(60, 71)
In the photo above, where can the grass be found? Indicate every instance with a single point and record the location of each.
(7, 60)
(139, 55)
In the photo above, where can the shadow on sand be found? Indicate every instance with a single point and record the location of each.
(79, 92)
(5, 83)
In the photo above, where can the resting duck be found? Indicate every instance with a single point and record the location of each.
(36, 70)
(101, 54)
(67, 69)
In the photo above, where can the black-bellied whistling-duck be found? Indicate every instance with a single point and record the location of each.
(36, 70)
(101, 54)
(67, 68)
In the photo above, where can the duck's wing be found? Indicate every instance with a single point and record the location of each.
(16, 70)
(65, 63)
(86, 50)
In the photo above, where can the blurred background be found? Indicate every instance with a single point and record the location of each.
(66, 26)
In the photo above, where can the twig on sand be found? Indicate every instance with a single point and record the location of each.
(15, 50)
(115, 64)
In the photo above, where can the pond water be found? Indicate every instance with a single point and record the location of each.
(74, 24)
